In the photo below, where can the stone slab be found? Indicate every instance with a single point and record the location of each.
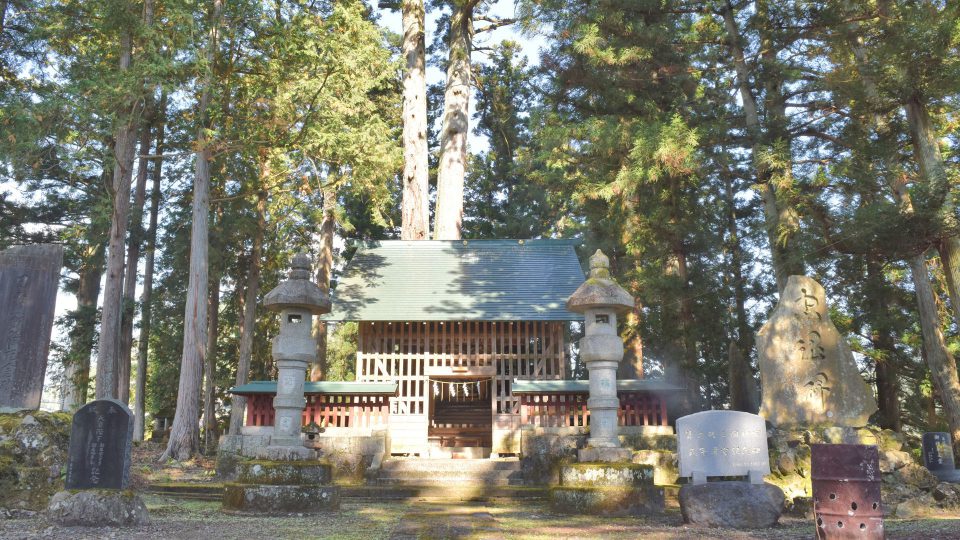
(737, 505)
(29, 279)
(280, 500)
(98, 508)
(722, 443)
(100, 443)
(808, 374)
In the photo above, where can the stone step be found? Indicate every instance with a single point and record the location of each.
(205, 492)
(435, 493)
(373, 493)
(450, 472)
(446, 464)
(497, 478)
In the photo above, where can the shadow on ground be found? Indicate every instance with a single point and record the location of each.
(410, 520)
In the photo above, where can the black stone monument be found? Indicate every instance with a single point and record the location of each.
(938, 456)
(29, 278)
(100, 443)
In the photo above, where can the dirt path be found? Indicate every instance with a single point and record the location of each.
(175, 519)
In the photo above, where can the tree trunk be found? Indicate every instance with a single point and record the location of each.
(740, 378)
(631, 367)
(781, 220)
(133, 262)
(248, 325)
(943, 367)
(456, 124)
(930, 161)
(143, 341)
(884, 345)
(185, 432)
(82, 336)
(125, 137)
(319, 370)
(415, 211)
(743, 388)
(213, 329)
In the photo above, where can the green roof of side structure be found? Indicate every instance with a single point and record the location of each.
(474, 280)
(321, 387)
(583, 386)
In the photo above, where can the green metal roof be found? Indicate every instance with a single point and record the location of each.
(478, 280)
(582, 386)
(322, 387)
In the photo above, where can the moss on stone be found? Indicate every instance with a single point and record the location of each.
(608, 501)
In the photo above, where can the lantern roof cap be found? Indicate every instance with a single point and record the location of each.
(600, 291)
(297, 291)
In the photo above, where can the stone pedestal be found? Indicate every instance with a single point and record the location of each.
(609, 489)
(98, 508)
(593, 454)
(738, 505)
(281, 487)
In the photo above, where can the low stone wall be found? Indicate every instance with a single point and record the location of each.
(908, 488)
(33, 458)
(350, 451)
(544, 451)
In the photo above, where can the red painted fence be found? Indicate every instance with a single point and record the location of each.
(345, 411)
(543, 410)
(570, 410)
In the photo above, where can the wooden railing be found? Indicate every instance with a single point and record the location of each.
(570, 410)
(328, 411)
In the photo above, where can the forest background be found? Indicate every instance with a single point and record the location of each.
(710, 148)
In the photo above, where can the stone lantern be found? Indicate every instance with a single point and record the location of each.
(600, 299)
(297, 299)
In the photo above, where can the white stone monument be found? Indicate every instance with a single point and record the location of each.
(722, 443)
(600, 299)
(297, 299)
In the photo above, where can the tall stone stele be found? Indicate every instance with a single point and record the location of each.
(808, 374)
(297, 299)
(600, 299)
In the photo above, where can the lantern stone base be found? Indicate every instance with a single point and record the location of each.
(608, 455)
(609, 489)
(607, 501)
(284, 472)
(280, 500)
(281, 487)
(738, 505)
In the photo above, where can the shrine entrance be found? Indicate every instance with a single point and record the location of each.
(460, 417)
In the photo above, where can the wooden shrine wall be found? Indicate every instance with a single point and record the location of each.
(412, 352)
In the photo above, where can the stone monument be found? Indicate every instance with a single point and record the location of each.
(807, 372)
(722, 443)
(937, 449)
(600, 299)
(98, 469)
(29, 279)
(288, 478)
(100, 441)
(725, 444)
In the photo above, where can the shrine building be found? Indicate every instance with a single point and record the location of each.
(461, 344)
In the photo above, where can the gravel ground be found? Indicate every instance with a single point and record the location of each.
(187, 519)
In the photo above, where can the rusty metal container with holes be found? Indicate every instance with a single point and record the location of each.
(846, 491)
